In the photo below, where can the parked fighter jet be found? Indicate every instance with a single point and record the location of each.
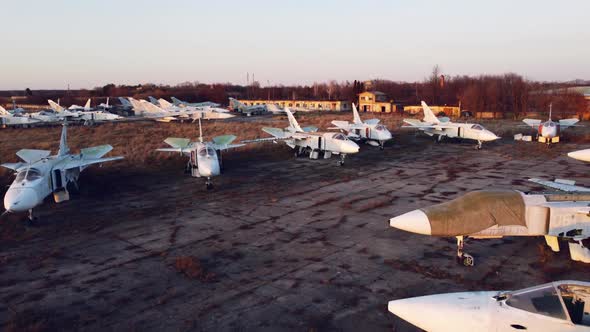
(557, 306)
(61, 112)
(58, 108)
(197, 112)
(203, 160)
(431, 125)
(181, 103)
(41, 174)
(370, 130)
(10, 120)
(105, 106)
(495, 214)
(548, 132)
(309, 139)
(236, 105)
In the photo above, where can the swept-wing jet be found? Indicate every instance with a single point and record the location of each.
(41, 174)
(197, 112)
(371, 131)
(7, 119)
(181, 103)
(308, 139)
(203, 159)
(236, 105)
(495, 214)
(431, 126)
(552, 307)
(548, 132)
(61, 112)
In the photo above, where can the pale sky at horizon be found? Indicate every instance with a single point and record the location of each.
(48, 44)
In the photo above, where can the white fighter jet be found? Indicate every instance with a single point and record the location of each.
(548, 132)
(248, 110)
(181, 103)
(308, 139)
(159, 114)
(61, 112)
(371, 131)
(431, 125)
(554, 307)
(8, 119)
(203, 159)
(41, 174)
(495, 214)
(196, 112)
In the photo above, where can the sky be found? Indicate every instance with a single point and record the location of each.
(50, 44)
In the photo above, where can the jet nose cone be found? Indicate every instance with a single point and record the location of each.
(349, 147)
(20, 200)
(209, 168)
(583, 155)
(414, 221)
(489, 136)
(385, 135)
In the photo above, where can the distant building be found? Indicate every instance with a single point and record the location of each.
(451, 111)
(375, 101)
(313, 105)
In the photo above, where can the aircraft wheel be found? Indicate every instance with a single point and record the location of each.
(209, 185)
(340, 163)
(467, 260)
(381, 147)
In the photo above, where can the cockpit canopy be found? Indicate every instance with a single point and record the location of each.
(380, 127)
(206, 151)
(29, 174)
(339, 136)
(477, 127)
(550, 124)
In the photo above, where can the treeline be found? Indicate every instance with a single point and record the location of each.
(510, 94)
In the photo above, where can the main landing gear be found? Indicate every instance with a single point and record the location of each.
(462, 257)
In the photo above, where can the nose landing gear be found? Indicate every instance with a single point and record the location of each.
(341, 161)
(478, 146)
(209, 184)
(462, 257)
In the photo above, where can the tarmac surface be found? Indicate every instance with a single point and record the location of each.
(280, 244)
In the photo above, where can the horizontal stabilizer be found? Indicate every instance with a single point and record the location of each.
(30, 156)
(372, 121)
(532, 122)
(96, 151)
(568, 123)
(224, 139)
(276, 132)
(179, 143)
(13, 166)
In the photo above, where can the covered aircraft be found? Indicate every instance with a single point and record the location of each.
(181, 103)
(40, 174)
(495, 214)
(369, 130)
(203, 159)
(548, 132)
(308, 139)
(248, 110)
(557, 306)
(431, 126)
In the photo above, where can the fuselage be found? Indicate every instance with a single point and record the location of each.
(462, 130)
(205, 158)
(549, 129)
(325, 141)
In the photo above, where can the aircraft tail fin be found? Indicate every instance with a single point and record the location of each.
(153, 100)
(164, 103)
(355, 115)
(292, 121)
(63, 142)
(55, 106)
(95, 151)
(87, 105)
(429, 114)
(236, 104)
(176, 101)
(149, 107)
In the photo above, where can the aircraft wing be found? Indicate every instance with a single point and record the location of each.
(559, 184)
(310, 129)
(96, 151)
(224, 142)
(372, 121)
(532, 122)
(276, 132)
(179, 143)
(566, 123)
(85, 162)
(31, 156)
(13, 166)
